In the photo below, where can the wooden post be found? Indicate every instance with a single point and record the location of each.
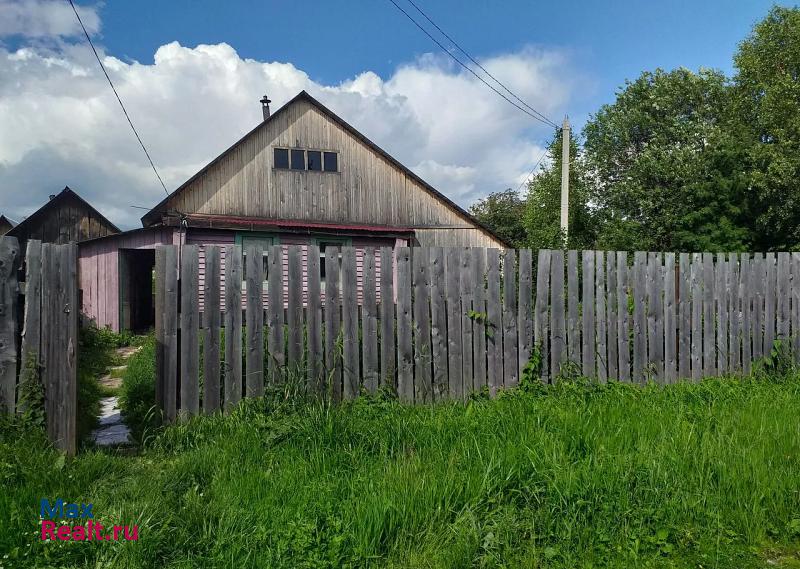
(211, 324)
(9, 288)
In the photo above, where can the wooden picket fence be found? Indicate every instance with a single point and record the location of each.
(704, 316)
(39, 343)
(439, 323)
(434, 323)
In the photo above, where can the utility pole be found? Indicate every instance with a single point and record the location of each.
(565, 140)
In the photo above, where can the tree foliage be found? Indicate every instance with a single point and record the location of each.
(502, 212)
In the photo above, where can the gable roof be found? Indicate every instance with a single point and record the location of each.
(154, 215)
(56, 201)
(7, 221)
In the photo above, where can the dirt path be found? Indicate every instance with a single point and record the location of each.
(112, 431)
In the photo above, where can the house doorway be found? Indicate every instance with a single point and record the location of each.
(136, 273)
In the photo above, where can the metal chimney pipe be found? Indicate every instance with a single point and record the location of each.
(265, 106)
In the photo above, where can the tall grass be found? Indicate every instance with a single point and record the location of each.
(576, 475)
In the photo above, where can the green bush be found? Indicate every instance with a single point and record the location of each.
(139, 391)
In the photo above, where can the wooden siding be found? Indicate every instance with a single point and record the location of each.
(368, 189)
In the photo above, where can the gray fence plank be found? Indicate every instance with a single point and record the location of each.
(510, 338)
(405, 354)
(709, 343)
(655, 335)
(479, 324)
(439, 324)
(670, 324)
(611, 314)
(525, 308)
(720, 294)
(494, 336)
(211, 327)
(639, 315)
(745, 305)
(50, 313)
(369, 324)
(795, 292)
(190, 317)
(783, 296)
(9, 262)
(466, 279)
(276, 357)
(541, 324)
(233, 326)
(254, 321)
(623, 325)
(684, 317)
(558, 331)
(588, 306)
(316, 361)
(388, 361)
(350, 347)
(30, 366)
(735, 315)
(420, 281)
(294, 312)
(70, 315)
(757, 320)
(170, 382)
(333, 324)
(697, 316)
(600, 317)
(769, 302)
(573, 309)
(453, 294)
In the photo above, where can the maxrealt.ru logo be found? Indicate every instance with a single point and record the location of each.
(90, 531)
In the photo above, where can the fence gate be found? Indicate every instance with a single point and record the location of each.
(39, 343)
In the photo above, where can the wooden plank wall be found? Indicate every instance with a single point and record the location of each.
(689, 316)
(465, 320)
(48, 337)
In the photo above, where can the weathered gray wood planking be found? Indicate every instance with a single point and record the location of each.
(720, 294)
(467, 286)
(439, 324)
(697, 316)
(745, 304)
(684, 317)
(233, 325)
(294, 314)
(623, 324)
(276, 355)
(558, 331)
(709, 345)
(254, 321)
(510, 337)
(369, 324)
(31, 361)
(573, 309)
(611, 315)
(494, 336)
(639, 286)
(758, 278)
(9, 263)
(735, 315)
(350, 344)
(190, 316)
(316, 367)
(670, 327)
(600, 316)
(405, 354)
(333, 324)
(211, 329)
(769, 302)
(541, 325)
(170, 380)
(588, 349)
(423, 374)
(783, 297)
(388, 362)
(479, 323)
(795, 312)
(453, 295)
(525, 307)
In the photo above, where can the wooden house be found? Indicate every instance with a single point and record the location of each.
(65, 218)
(6, 224)
(303, 176)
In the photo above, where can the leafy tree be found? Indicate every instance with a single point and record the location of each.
(502, 213)
(767, 108)
(665, 172)
(542, 220)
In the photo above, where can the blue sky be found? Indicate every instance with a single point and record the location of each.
(191, 74)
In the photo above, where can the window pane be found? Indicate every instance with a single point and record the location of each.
(315, 160)
(298, 159)
(281, 158)
(331, 162)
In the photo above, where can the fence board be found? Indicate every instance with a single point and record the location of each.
(611, 314)
(769, 302)
(452, 292)
(783, 296)
(709, 347)
(684, 317)
(558, 332)
(254, 320)
(170, 380)
(670, 327)
(525, 307)
(233, 326)
(588, 307)
(494, 337)
(655, 315)
(350, 352)
(759, 282)
(720, 294)
(510, 338)
(50, 271)
(405, 354)
(294, 313)
(623, 324)
(697, 316)
(369, 325)
(600, 317)
(439, 324)
(333, 324)
(211, 326)
(735, 315)
(466, 279)
(315, 368)
(276, 356)
(190, 317)
(541, 311)
(68, 372)
(745, 295)
(9, 262)
(573, 309)
(388, 363)
(639, 315)
(479, 324)
(30, 366)
(795, 291)
(423, 377)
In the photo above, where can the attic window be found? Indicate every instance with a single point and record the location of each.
(298, 159)
(331, 162)
(281, 158)
(315, 160)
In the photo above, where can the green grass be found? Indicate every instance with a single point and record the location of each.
(691, 475)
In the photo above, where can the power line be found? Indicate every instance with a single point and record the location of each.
(527, 179)
(482, 68)
(468, 68)
(103, 67)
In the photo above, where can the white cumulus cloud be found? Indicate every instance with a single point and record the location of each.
(45, 18)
